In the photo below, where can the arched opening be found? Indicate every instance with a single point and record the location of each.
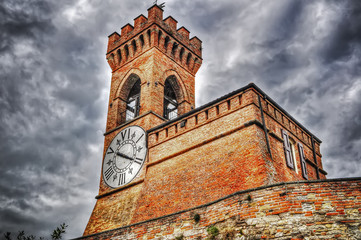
(126, 52)
(170, 99)
(159, 37)
(188, 58)
(141, 41)
(133, 102)
(166, 42)
(181, 54)
(119, 55)
(174, 48)
(134, 45)
(148, 34)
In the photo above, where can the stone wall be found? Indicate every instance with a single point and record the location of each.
(320, 209)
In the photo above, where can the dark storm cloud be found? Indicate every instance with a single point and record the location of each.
(347, 36)
(305, 55)
(50, 116)
(55, 83)
(23, 19)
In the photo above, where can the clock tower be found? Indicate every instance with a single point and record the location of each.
(171, 170)
(153, 69)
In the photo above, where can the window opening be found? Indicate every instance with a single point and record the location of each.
(159, 37)
(134, 47)
(141, 40)
(181, 54)
(188, 58)
(126, 51)
(166, 42)
(133, 102)
(119, 54)
(293, 154)
(303, 161)
(170, 102)
(148, 33)
(289, 149)
(174, 48)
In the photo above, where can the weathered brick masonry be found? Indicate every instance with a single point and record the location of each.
(210, 152)
(226, 160)
(320, 209)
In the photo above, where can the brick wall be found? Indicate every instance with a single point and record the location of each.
(208, 153)
(320, 209)
(205, 154)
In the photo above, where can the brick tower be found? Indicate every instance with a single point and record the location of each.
(157, 54)
(153, 68)
(171, 170)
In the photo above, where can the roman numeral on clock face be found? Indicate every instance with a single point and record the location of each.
(138, 160)
(121, 179)
(110, 151)
(108, 173)
(139, 138)
(124, 134)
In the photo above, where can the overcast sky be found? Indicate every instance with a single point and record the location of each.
(55, 83)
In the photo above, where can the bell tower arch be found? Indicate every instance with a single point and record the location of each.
(153, 52)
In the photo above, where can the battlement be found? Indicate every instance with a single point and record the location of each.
(154, 32)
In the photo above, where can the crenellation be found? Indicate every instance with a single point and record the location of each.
(184, 32)
(171, 22)
(288, 124)
(203, 116)
(139, 21)
(162, 135)
(153, 31)
(192, 121)
(125, 30)
(223, 107)
(155, 13)
(181, 126)
(197, 44)
(212, 112)
(172, 130)
(112, 39)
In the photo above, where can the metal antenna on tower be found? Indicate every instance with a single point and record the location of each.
(162, 5)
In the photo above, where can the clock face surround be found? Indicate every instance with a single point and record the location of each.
(125, 156)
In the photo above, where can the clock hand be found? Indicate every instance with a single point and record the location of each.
(124, 156)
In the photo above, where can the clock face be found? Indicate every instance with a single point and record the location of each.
(125, 156)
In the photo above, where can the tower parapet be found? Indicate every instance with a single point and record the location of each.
(154, 32)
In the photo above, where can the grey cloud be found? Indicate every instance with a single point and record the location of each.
(55, 84)
(346, 37)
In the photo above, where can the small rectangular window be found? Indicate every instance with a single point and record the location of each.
(303, 161)
(288, 149)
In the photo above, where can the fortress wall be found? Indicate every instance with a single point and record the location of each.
(320, 209)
